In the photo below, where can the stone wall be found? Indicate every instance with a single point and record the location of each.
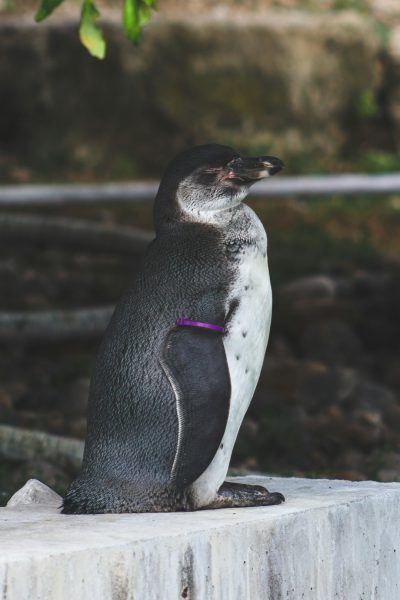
(330, 540)
(306, 87)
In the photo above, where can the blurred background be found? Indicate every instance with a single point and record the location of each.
(316, 83)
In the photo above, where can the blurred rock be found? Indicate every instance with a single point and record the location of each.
(37, 300)
(53, 475)
(77, 397)
(250, 428)
(77, 428)
(55, 409)
(386, 11)
(279, 349)
(390, 469)
(392, 372)
(16, 389)
(370, 396)
(350, 475)
(15, 473)
(389, 474)
(393, 50)
(327, 418)
(392, 419)
(333, 342)
(24, 444)
(353, 459)
(6, 401)
(317, 286)
(250, 464)
(323, 388)
(40, 398)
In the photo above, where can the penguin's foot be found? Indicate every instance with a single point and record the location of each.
(235, 495)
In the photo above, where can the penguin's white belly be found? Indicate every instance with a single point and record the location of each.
(245, 346)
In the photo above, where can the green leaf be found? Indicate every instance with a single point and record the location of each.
(137, 13)
(90, 35)
(46, 8)
(130, 20)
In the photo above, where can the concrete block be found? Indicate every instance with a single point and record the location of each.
(330, 540)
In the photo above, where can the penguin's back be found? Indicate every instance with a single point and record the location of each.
(133, 425)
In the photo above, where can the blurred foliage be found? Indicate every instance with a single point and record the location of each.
(380, 162)
(358, 5)
(136, 14)
(367, 105)
(46, 8)
(90, 35)
(334, 235)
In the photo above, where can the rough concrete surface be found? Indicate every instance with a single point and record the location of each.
(331, 539)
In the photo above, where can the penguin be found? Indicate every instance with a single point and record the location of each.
(181, 357)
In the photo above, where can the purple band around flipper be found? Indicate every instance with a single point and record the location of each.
(187, 322)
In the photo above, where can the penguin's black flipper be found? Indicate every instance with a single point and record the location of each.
(195, 363)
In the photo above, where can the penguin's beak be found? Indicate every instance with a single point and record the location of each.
(252, 169)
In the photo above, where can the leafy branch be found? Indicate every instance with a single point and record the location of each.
(136, 14)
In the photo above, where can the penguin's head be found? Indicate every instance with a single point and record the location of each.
(206, 179)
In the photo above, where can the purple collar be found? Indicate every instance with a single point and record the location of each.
(187, 322)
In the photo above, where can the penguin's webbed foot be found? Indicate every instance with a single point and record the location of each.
(235, 495)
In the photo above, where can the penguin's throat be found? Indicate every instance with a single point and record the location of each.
(207, 204)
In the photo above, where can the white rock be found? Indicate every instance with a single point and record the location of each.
(331, 540)
(315, 286)
(34, 492)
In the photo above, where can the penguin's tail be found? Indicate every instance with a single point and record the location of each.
(75, 505)
(84, 497)
(98, 497)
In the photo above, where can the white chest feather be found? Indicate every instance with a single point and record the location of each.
(245, 345)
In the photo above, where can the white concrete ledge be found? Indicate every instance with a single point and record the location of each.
(331, 540)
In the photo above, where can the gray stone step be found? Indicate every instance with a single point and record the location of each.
(330, 540)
